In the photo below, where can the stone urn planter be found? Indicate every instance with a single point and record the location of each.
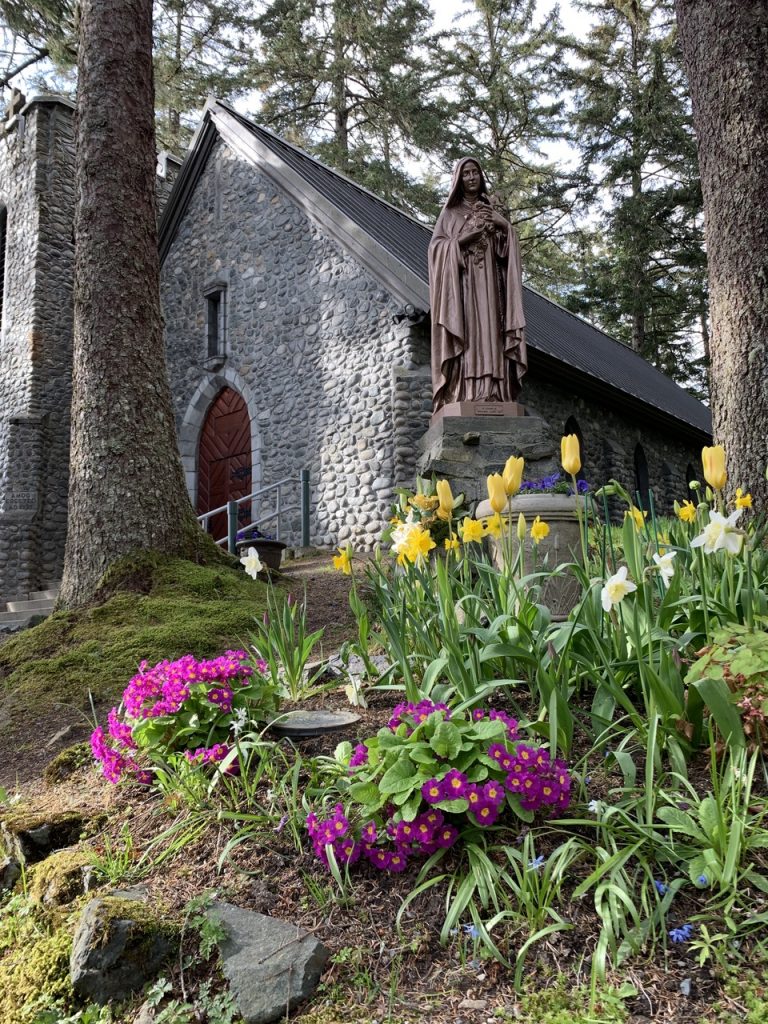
(269, 551)
(558, 511)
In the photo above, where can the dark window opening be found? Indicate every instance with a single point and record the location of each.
(642, 483)
(216, 321)
(690, 475)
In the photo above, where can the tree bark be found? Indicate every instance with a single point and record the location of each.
(126, 490)
(725, 51)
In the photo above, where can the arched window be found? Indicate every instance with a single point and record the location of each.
(642, 485)
(3, 237)
(690, 474)
(572, 427)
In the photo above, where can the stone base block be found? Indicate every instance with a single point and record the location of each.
(466, 449)
(479, 409)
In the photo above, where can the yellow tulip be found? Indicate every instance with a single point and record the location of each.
(570, 454)
(713, 461)
(521, 528)
(497, 493)
(343, 561)
(539, 530)
(513, 475)
(445, 511)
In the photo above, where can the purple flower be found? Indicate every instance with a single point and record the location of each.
(432, 791)
(359, 756)
(486, 814)
(661, 888)
(446, 836)
(681, 934)
(454, 785)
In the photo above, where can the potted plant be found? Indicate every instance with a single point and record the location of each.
(269, 550)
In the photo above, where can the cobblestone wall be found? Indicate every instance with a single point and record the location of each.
(37, 191)
(311, 344)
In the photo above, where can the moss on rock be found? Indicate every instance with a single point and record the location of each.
(67, 762)
(35, 972)
(60, 878)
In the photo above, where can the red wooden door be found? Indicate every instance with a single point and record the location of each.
(224, 459)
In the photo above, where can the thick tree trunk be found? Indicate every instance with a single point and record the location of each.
(725, 50)
(126, 489)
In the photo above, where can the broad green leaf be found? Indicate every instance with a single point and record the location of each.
(680, 821)
(366, 792)
(399, 778)
(709, 818)
(717, 697)
(446, 741)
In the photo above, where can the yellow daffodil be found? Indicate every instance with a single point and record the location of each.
(638, 517)
(424, 502)
(494, 525)
(452, 544)
(521, 527)
(471, 530)
(343, 561)
(419, 545)
(570, 454)
(743, 500)
(445, 498)
(687, 512)
(539, 530)
(497, 493)
(713, 461)
(513, 475)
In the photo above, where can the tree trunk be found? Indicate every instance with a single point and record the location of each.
(126, 490)
(725, 50)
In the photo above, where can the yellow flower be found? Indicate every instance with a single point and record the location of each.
(419, 545)
(743, 500)
(687, 512)
(497, 493)
(343, 561)
(521, 528)
(638, 517)
(539, 530)
(570, 454)
(513, 475)
(425, 502)
(445, 497)
(494, 525)
(451, 544)
(471, 530)
(713, 461)
(396, 521)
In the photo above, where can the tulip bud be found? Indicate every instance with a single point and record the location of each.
(445, 511)
(713, 461)
(694, 485)
(497, 493)
(521, 528)
(570, 455)
(513, 475)
(291, 601)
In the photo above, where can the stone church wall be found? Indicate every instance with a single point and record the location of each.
(37, 191)
(311, 345)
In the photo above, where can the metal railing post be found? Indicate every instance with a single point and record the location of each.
(305, 508)
(278, 510)
(232, 527)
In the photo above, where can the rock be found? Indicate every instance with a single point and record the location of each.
(10, 872)
(119, 946)
(146, 1014)
(61, 877)
(473, 1004)
(31, 834)
(271, 965)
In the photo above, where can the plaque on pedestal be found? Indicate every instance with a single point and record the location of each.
(495, 409)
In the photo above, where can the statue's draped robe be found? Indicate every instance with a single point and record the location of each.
(478, 327)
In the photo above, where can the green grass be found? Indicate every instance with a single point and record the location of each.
(155, 608)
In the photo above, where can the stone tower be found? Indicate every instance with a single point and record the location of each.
(37, 197)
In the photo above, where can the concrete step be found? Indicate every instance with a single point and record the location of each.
(31, 607)
(44, 595)
(10, 619)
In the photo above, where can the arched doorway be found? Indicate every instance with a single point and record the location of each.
(224, 459)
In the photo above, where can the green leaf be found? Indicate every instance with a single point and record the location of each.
(422, 753)
(453, 806)
(366, 792)
(400, 777)
(709, 817)
(446, 741)
(680, 821)
(717, 697)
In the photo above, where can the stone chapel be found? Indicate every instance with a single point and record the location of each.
(296, 306)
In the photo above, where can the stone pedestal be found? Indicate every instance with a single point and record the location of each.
(479, 409)
(466, 449)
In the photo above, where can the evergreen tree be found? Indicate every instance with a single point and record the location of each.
(502, 66)
(350, 81)
(644, 268)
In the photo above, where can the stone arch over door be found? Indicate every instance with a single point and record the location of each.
(194, 419)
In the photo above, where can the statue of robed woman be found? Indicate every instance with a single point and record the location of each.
(476, 297)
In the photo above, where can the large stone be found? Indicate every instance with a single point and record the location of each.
(271, 965)
(119, 945)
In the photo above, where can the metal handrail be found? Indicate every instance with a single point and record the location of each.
(231, 508)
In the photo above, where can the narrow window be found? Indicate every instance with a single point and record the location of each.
(642, 482)
(216, 321)
(3, 234)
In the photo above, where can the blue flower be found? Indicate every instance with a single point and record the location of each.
(537, 863)
(702, 880)
(660, 887)
(582, 486)
(681, 934)
(471, 930)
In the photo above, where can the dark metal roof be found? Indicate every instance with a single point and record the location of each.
(558, 341)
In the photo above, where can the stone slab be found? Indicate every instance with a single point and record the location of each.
(482, 410)
(313, 723)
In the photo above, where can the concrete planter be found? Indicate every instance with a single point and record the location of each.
(269, 551)
(563, 544)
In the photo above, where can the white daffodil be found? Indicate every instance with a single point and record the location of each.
(252, 563)
(720, 534)
(665, 566)
(616, 589)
